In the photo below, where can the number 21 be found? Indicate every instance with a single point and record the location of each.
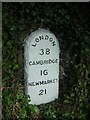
(42, 92)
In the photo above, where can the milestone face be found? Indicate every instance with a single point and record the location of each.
(42, 66)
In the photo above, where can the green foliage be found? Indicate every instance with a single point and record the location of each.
(50, 113)
(70, 23)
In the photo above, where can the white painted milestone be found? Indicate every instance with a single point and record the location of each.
(41, 57)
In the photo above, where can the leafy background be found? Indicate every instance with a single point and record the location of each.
(70, 22)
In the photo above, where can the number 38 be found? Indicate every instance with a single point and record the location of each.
(46, 51)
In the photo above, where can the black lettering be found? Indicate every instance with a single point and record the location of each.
(30, 63)
(41, 82)
(45, 61)
(44, 72)
(53, 43)
(37, 62)
(42, 52)
(47, 51)
(37, 83)
(34, 45)
(45, 91)
(31, 84)
(50, 61)
(56, 60)
(46, 37)
(37, 40)
(51, 39)
(41, 37)
(51, 81)
(42, 92)
(33, 63)
(41, 62)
